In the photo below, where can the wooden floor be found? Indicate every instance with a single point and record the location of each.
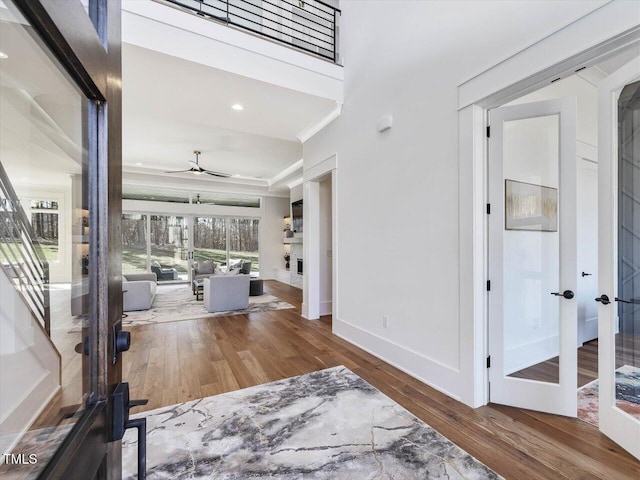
(627, 353)
(179, 361)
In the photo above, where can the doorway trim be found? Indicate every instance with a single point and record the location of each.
(500, 84)
(311, 247)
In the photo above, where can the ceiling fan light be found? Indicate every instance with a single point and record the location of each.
(197, 172)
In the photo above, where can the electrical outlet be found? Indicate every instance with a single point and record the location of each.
(385, 321)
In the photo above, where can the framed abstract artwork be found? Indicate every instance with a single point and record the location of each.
(530, 207)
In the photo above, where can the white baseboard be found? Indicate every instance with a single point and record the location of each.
(326, 308)
(430, 372)
(532, 353)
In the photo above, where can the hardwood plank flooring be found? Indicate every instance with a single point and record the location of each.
(180, 361)
(627, 353)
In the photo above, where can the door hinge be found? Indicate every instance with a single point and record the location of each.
(488, 209)
(488, 131)
(489, 361)
(488, 285)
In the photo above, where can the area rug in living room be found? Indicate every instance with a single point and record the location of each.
(627, 395)
(174, 303)
(324, 425)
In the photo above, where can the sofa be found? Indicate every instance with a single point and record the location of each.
(224, 293)
(139, 290)
(163, 273)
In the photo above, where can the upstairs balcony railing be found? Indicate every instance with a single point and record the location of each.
(309, 25)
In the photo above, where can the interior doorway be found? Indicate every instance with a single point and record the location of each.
(529, 356)
(320, 233)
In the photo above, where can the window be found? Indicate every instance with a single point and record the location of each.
(46, 226)
(243, 242)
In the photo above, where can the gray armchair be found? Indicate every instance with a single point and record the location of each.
(202, 269)
(164, 273)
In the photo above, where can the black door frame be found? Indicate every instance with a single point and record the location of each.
(89, 48)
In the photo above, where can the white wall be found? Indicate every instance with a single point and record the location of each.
(399, 231)
(272, 224)
(296, 193)
(29, 364)
(326, 246)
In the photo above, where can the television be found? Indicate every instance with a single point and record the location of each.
(296, 216)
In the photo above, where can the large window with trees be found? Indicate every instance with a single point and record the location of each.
(134, 243)
(168, 244)
(243, 241)
(169, 252)
(210, 239)
(45, 223)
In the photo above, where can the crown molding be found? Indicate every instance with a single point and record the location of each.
(322, 121)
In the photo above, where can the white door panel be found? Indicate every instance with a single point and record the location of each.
(532, 256)
(614, 421)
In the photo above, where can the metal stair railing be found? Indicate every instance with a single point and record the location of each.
(21, 255)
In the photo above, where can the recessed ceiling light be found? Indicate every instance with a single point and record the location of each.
(3, 55)
(139, 164)
(237, 107)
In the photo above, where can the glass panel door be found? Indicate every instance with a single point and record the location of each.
(47, 329)
(210, 240)
(134, 243)
(532, 256)
(169, 238)
(243, 244)
(619, 256)
(627, 364)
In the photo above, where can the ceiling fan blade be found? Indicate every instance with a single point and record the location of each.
(181, 171)
(217, 174)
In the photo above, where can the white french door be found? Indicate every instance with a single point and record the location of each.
(618, 252)
(532, 256)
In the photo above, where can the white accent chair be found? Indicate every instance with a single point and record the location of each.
(224, 293)
(139, 290)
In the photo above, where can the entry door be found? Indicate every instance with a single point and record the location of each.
(81, 41)
(618, 253)
(532, 256)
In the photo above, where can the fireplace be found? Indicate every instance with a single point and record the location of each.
(299, 266)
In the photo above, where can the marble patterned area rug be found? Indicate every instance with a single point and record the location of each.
(627, 394)
(175, 303)
(328, 425)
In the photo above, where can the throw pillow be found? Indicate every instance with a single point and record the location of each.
(205, 267)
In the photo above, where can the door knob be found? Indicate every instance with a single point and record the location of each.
(568, 294)
(603, 299)
(585, 274)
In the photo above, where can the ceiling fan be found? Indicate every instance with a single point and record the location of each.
(197, 201)
(197, 169)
